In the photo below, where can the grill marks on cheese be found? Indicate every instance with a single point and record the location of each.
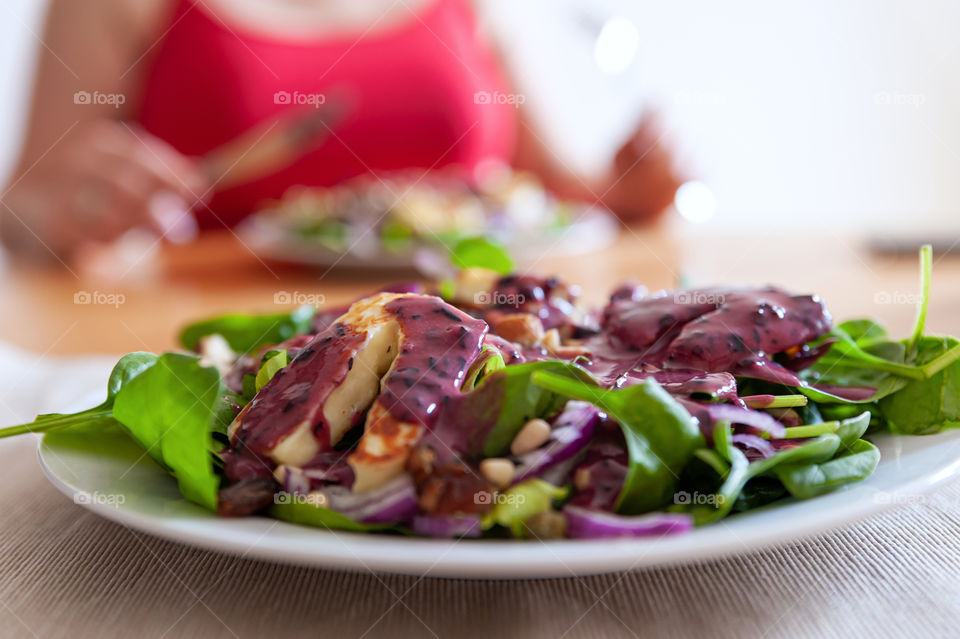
(395, 356)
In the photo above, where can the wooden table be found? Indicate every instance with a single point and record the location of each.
(65, 572)
(217, 274)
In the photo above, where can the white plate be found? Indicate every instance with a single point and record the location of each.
(129, 488)
(593, 231)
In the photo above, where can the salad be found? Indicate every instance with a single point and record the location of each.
(400, 212)
(494, 405)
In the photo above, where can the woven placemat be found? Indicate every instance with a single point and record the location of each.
(65, 572)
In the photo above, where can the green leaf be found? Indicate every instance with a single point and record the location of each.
(882, 357)
(396, 236)
(521, 502)
(329, 233)
(448, 288)
(864, 331)
(171, 409)
(520, 399)
(488, 361)
(103, 438)
(481, 252)
(862, 356)
(759, 491)
(929, 405)
(926, 271)
(244, 333)
(844, 366)
(661, 436)
(300, 511)
(853, 428)
(272, 363)
(849, 430)
(248, 387)
(129, 367)
(774, 401)
(812, 479)
(734, 481)
(817, 450)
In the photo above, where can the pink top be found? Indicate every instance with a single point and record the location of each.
(411, 92)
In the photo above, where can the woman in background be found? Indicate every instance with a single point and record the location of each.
(131, 93)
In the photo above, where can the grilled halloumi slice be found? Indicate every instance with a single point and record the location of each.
(383, 343)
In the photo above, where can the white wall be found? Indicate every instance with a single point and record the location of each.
(841, 113)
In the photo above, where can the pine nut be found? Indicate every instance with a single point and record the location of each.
(581, 478)
(551, 340)
(498, 471)
(533, 435)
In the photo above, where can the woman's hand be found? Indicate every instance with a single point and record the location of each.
(638, 186)
(101, 179)
(644, 179)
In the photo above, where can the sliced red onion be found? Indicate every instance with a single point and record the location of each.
(292, 479)
(745, 416)
(559, 474)
(571, 432)
(329, 468)
(786, 416)
(768, 371)
(851, 393)
(762, 446)
(593, 524)
(394, 502)
(449, 526)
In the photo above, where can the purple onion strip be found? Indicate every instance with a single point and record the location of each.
(394, 502)
(759, 444)
(747, 417)
(446, 526)
(572, 430)
(593, 524)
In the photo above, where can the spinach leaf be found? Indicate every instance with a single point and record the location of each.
(396, 236)
(812, 479)
(246, 332)
(329, 233)
(273, 362)
(103, 438)
(300, 511)
(171, 409)
(833, 458)
(741, 470)
(488, 361)
(759, 492)
(248, 387)
(481, 252)
(517, 398)
(847, 357)
(863, 332)
(844, 366)
(851, 429)
(519, 503)
(929, 405)
(926, 271)
(170, 405)
(129, 367)
(661, 436)
(862, 356)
